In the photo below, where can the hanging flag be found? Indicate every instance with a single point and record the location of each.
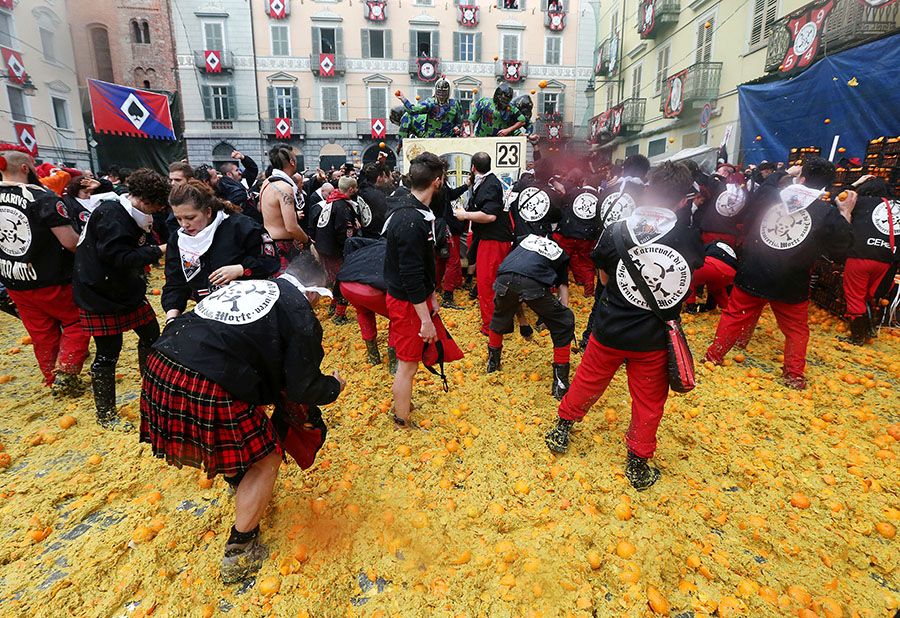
(556, 21)
(675, 97)
(648, 18)
(466, 129)
(428, 69)
(875, 4)
(468, 15)
(554, 131)
(283, 128)
(512, 71)
(326, 65)
(25, 134)
(805, 31)
(6, 4)
(213, 61)
(13, 61)
(615, 119)
(277, 9)
(375, 10)
(120, 110)
(379, 128)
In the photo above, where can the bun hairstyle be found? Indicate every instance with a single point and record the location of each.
(201, 196)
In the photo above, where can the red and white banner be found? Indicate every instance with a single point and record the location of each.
(615, 119)
(647, 10)
(379, 128)
(326, 65)
(277, 9)
(213, 58)
(806, 30)
(283, 128)
(375, 10)
(428, 69)
(512, 71)
(6, 4)
(675, 97)
(26, 137)
(13, 61)
(556, 21)
(468, 15)
(466, 129)
(554, 131)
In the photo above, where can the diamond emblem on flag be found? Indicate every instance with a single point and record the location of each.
(283, 126)
(277, 6)
(212, 60)
(26, 138)
(378, 126)
(326, 64)
(135, 111)
(15, 66)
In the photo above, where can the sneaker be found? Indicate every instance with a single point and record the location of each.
(67, 385)
(558, 438)
(340, 320)
(448, 301)
(639, 474)
(243, 560)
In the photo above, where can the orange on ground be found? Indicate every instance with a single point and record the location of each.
(67, 421)
(657, 601)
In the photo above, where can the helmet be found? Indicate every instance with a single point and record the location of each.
(397, 114)
(503, 95)
(442, 91)
(523, 104)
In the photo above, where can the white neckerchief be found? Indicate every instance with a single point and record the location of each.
(479, 178)
(624, 182)
(89, 203)
(276, 173)
(144, 221)
(304, 289)
(192, 248)
(648, 224)
(425, 212)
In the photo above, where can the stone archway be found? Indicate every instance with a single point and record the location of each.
(371, 155)
(332, 155)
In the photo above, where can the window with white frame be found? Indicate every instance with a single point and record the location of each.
(610, 96)
(636, 75)
(614, 22)
(425, 46)
(466, 98)
(662, 67)
(553, 50)
(331, 107)
(281, 42)
(61, 112)
(512, 5)
(378, 102)
(551, 103)
(18, 108)
(466, 47)
(7, 33)
(376, 44)
(221, 103)
(705, 28)
(48, 44)
(214, 35)
(328, 40)
(509, 46)
(284, 102)
(765, 12)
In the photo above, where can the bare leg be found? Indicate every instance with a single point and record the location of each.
(255, 491)
(403, 384)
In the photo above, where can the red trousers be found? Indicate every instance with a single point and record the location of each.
(716, 275)
(741, 315)
(648, 383)
(580, 263)
(861, 279)
(51, 318)
(490, 254)
(449, 270)
(367, 301)
(731, 239)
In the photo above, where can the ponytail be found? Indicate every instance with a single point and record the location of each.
(201, 196)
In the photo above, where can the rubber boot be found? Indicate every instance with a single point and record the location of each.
(493, 362)
(871, 327)
(560, 380)
(7, 305)
(67, 385)
(392, 360)
(143, 355)
(448, 302)
(103, 383)
(639, 473)
(373, 356)
(473, 293)
(859, 330)
(526, 332)
(469, 282)
(558, 438)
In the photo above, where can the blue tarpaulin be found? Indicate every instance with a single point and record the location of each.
(792, 113)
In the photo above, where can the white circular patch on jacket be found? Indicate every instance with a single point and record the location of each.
(782, 231)
(616, 207)
(324, 216)
(15, 232)
(730, 201)
(364, 212)
(666, 272)
(880, 218)
(534, 204)
(240, 302)
(585, 206)
(542, 246)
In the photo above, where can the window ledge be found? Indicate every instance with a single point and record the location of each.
(755, 48)
(696, 5)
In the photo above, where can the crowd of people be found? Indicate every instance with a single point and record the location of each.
(256, 253)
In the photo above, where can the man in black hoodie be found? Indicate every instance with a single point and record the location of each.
(371, 199)
(230, 187)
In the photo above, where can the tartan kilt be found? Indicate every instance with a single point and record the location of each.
(189, 420)
(286, 251)
(332, 265)
(100, 324)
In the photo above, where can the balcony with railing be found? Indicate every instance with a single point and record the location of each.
(364, 128)
(540, 127)
(633, 111)
(330, 128)
(500, 71)
(298, 127)
(226, 57)
(340, 65)
(414, 68)
(701, 85)
(664, 12)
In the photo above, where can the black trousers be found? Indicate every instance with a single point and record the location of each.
(110, 346)
(511, 289)
(598, 292)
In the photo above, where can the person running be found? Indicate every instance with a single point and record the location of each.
(36, 248)
(528, 275)
(333, 226)
(212, 247)
(717, 274)
(781, 246)
(282, 205)
(109, 284)
(211, 376)
(625, 329)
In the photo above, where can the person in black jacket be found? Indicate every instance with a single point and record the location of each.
(79, 200)
(336, 223)
(210, 378)
(212, 248)
(536, 201)
(717, 274)
(579, 230)
(449, 264)
(231, 189)
(371, 200)
(109, 285)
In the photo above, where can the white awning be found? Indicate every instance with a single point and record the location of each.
(704, 156)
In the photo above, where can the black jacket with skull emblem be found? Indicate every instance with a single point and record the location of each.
(537, 258)
(371, 207)
(781, 248)
(581, 216)
(617, 202)
(871, 231)
(335, 223)
(535, 208)
(623, 320)
(726, 209)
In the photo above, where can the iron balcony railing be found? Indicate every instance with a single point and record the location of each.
(701, 85)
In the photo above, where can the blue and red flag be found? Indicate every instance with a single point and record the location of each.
(119, 110)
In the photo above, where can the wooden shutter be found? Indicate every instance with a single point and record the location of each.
(388, 44)
(704, 39)
(206, 97)
(295, 103)
(662, 68)
(339, 41)
(317, 42)
(435, 44)
(771, 16)
(541, 103)
(636, 76)
(413, 43)
(544, 4)
(273, 107)
(456, 53)
(364, 36)
(561, 104)
(232, 103)
(757, 25)
(477, 47)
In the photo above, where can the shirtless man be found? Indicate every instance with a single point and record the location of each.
(283, 206)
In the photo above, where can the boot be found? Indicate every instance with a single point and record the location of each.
(143, 354)
(871, 327)
(560, 380)
(639, 474)
(340, 320)
(448, 302)
(859, 330)
(558, 438)
(392, 360)
(469, 282)
(473, 293)
(67, 385)
(691, 308)
(242, 560)
(373, 356)
(493, 363)
(7, 305)
(103, 383)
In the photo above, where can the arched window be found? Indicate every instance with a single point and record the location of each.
(222, 154)
(102, 56)
(147, 84)
(146, 33)
(136, 35)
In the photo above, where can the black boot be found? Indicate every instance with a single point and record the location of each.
(859, 330)
(469, 282)
(639, 474)
(448, 302)
(473, 293)
(691, 308)
(7, 305)
(373, 356)
(392, 360)
(493, 363)
(560, 380)
(526, 332)
(558, 438)
(103, 383)
(143, 354)
(340, 320)
(872, 329)
(67, 385)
